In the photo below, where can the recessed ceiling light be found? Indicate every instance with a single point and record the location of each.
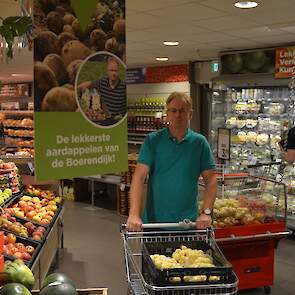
(246, 4)
(16, 75)
(162, 58)
(171, 43)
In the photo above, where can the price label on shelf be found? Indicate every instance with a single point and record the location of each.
(223, 143)
(158, 115)
(31, 167)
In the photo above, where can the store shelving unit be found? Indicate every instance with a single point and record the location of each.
(258, 118)
(16, 104)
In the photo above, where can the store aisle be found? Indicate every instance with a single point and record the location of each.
(93, 252)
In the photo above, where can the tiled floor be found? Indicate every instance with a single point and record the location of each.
(93, 253)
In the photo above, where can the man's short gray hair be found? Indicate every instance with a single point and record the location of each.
(180, 96)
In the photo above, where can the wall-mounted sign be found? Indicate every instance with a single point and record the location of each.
(214, 66)
(223, 144)
(285, 62)
(135, 76)
(164, 74)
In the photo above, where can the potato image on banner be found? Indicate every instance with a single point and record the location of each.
(44, 44)
(74, 50)
(44, 80)
(55, 63)
(59, 99)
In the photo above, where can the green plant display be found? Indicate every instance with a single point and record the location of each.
(14, 26)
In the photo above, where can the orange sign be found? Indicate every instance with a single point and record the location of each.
(285, 62)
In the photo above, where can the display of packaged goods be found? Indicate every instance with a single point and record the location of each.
(257, 117)
(18, 89)
(20, 123)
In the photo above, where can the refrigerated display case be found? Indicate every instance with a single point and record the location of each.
(257, 115)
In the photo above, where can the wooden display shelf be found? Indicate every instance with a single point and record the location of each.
(48, 252)
(18, 113)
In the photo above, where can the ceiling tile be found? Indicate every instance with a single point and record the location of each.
(225, 23)
(188, 12)
(144, 5)
(260, 31)
(283, 39)
(213, 36)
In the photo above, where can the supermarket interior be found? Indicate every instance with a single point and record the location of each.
(237, 65)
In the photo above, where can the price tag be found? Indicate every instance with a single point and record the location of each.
(158, 115)
(31, 167)
(122, 187)
(223, 143)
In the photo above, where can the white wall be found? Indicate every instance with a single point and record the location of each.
(156, 89)
(203, 73)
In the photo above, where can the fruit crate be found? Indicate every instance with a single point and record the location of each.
(222, 269)
(26, 242)
(25, 219)
(40, 231)
(92, 291)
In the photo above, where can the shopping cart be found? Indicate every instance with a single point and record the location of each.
(136, 268)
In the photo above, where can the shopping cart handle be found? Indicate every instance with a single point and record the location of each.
(184, 224)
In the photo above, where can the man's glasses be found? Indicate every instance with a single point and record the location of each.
(175, 111)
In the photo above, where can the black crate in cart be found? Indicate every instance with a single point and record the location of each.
(221, 273)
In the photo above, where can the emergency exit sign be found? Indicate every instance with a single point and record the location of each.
(214, 66)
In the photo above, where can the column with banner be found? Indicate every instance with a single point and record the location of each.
(79, 88)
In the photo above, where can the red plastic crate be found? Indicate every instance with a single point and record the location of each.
(253, 262)
(248, 230)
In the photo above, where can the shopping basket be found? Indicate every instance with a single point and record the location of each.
(142, 278)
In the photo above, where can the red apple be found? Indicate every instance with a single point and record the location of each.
(44, 221)
(41, 229)
(26, 256)
(37, 237)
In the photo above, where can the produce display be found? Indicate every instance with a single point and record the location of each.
(20, 227)
(21, 281)
(241, 211)
(9, 179)
(18, 248)
(40, 210)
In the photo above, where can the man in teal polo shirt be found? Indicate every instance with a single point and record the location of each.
(173, 158)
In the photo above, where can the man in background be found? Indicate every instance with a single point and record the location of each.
(289, 155)
(173, 158)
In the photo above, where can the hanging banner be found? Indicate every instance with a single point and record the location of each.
(80, 98)
(285, 62)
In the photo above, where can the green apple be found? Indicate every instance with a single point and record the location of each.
(1, 200)
(5, 196)
(8, 190)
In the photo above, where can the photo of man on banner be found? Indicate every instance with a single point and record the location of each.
(101, 89)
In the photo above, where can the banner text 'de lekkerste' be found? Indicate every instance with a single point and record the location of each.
(87, 153)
